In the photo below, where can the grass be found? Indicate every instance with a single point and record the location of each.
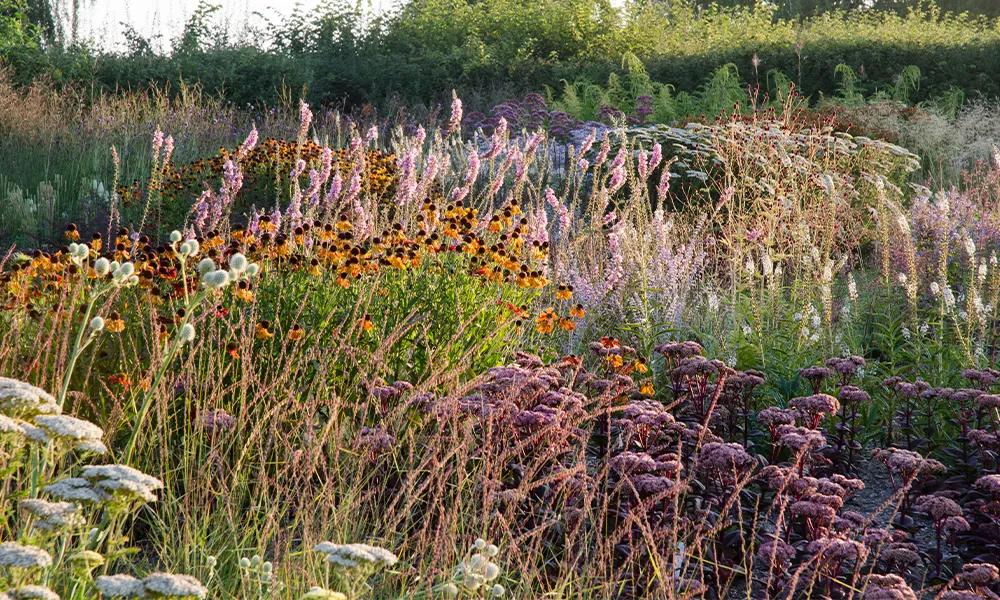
(489, 339)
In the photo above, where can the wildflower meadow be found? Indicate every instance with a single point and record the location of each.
(610, 337)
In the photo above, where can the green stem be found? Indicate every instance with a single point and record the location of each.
(78, 347)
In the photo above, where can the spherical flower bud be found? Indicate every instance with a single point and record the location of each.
(186, 334)
(497, 590)
(449, 590)
(479, 544)
(244, 563)
(238, 263)
(193, 247)
(253, 269)
(215, 279)
(96, 324)
(211, 561)
(206, 265)
(102, 266)
(175, 236)
(267, 567)
(492, 550)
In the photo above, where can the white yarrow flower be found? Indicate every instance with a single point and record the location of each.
(75, 489)
(18, 398)
(120, 586)
(21, 556)
(351, 556)
(32, 592)
(168, 585)
(53, 516)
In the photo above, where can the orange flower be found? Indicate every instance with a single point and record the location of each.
(114, 323)
(615, 360)
(296, 333)
(647, 388)
(640, 366)
(366, 323)
(567, 325)
(233, 350)
(263, 331)
(577, 312)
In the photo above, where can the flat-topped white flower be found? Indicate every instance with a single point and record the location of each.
(35, 434)
(167, 585)
(120, 586)
(92, 446)
(53, 516)
(351, 556)
(20, 399)
(32, 592)
(318, 593)
(75, 489)
(21, 556)
(65, 427)
(122, 482)
(9, 425)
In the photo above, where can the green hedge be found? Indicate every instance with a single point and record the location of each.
(487, 49)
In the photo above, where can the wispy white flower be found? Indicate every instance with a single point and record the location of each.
(21, 556)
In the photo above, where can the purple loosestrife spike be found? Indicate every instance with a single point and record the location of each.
(305, 119)
(455, 121)
(248, 144)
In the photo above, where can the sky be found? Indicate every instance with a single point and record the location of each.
(101, 19)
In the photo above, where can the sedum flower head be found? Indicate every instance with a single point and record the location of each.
(20, 399)
(21, 556)
(352, 556)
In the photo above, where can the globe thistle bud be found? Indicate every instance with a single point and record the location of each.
(215, 279)
(193, 247)
(492, 550)
(185, 249)
(253, 269)
(238, 263)
(175, 236)
(267, 567)
(479, 544)
(497, 590)
(449, 590)
(211, 561)
(244, 563)
(97, 324)
(206, 265)
(102, 266)
(186, 334)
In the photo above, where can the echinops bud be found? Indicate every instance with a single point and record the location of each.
(186, 334)
(97, 324)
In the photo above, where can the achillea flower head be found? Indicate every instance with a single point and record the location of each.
(168, 585)
(354, 556)
(122, 482)
(32, 592)
(20, 399)
(75, 489)
(22, 556)
(318, 593)
(120, 586)
(51, 516)
(79, 432)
